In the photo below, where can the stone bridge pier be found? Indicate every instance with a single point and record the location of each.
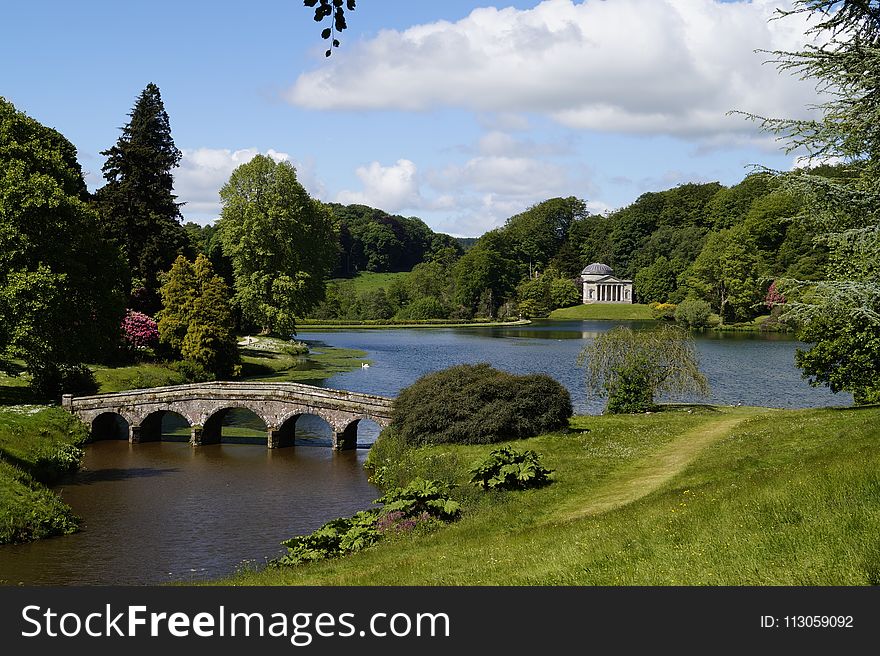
(204, 407)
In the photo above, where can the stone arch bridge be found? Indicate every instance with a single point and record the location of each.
(204, 405)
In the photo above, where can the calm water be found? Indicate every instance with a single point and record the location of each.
(162, 512)
(746, 367)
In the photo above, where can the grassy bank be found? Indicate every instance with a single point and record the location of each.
(367, 281)
(263, 358)
(731, 496)
(604, 311)
(38, 445)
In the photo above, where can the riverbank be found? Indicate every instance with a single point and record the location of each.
(717, 496)
(604, 312)
(323, 326)
(263, 358)
(38, 446)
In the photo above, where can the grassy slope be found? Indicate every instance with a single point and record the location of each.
(736, 497)
(36, 446)
(370, 282)
(602, 311)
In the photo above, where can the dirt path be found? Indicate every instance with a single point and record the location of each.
(650, 473)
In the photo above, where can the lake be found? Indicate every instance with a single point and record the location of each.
(160, 512)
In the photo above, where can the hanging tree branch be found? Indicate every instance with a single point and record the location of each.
(334, 10)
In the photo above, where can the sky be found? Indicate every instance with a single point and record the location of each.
(460, 113)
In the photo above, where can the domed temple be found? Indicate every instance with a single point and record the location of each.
(601, 286)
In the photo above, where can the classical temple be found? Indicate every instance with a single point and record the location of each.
(600, 285)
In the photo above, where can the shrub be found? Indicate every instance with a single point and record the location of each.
(693, 313)
(420, 502)
(139, 330)
(631, 367)
(663, 311)
(425, 308)
(565, 293)
(192, 371)
(49, 380)
(421, 497)
(476, 404)
(509, 469)
(335, 538)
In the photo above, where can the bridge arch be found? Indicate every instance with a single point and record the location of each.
(285, 432)
(212, 426)
(362, 430)
(109, 426)
(154, 426)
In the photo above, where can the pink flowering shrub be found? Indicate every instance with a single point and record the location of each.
(139, 330)
(774, 297)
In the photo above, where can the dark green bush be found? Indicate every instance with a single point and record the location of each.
(509, 469)
(476, 404)
(192, 371)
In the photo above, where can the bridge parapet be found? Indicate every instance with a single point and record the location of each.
(202, 403)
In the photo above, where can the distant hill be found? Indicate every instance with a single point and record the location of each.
(373, 240)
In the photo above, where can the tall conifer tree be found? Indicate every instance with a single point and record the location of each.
(138, 204)
(840, 315)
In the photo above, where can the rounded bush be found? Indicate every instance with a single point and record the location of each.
(476, 404)
(693, 313)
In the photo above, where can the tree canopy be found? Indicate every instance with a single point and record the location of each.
(631, 367)
(60, 299)
(840, 314)
(281, 243)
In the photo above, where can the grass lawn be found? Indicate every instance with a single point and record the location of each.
(607, 311)
(37, 445)
(725, 496)
(367, 281)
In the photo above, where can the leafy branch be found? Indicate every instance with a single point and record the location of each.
(335, 11)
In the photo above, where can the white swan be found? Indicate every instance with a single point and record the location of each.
(364, 365)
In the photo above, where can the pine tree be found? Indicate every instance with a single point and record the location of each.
(839, 315)
(138, 205)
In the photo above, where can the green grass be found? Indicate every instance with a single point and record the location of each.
(38, 445)
(370, 282)
(743, 496)
(604, 311)
(140, 376)
(275, 360)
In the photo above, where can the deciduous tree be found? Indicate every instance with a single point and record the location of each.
(60, 283)
(281, 242)
(632, 367)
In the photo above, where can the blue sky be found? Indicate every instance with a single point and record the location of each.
(462, 113)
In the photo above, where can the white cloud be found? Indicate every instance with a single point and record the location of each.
(637, 66)
(391, 188)
(204, 170)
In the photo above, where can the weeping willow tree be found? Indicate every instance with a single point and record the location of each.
(839, 315)
(632, 367)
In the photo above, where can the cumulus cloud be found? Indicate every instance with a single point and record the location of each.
(392, 188)
(204, 170)
(634, 66)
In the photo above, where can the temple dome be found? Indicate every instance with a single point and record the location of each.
(597, 269)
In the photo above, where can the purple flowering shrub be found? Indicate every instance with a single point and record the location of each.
(139, 330)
